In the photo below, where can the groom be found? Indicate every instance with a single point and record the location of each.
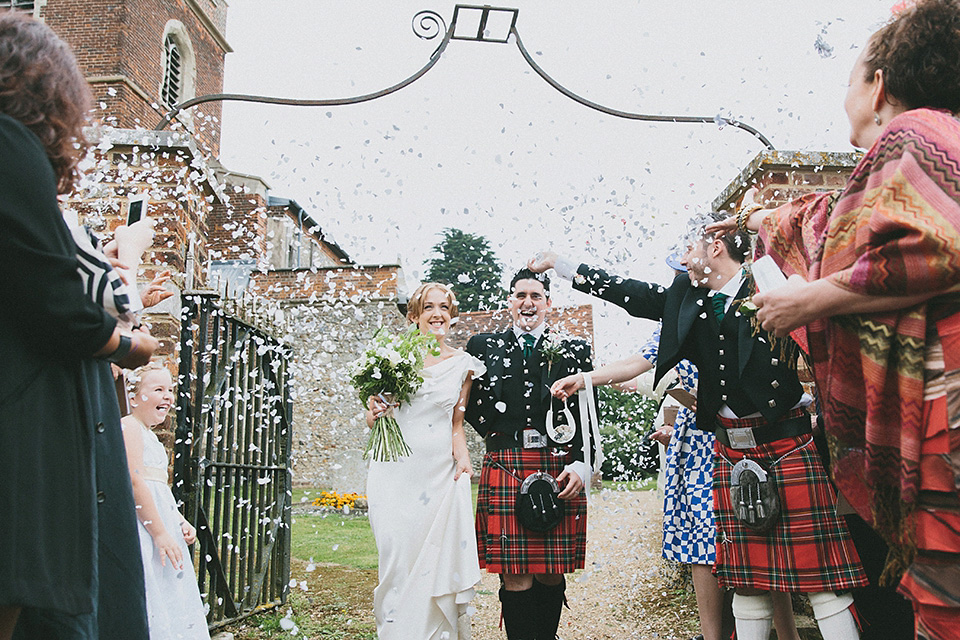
(508, 406)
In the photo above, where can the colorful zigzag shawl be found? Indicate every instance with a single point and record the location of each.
(893, 230)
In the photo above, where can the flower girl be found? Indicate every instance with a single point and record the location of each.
(174, 607)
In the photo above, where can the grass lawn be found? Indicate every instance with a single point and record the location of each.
(334, 539)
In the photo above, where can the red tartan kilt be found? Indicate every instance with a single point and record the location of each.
(809, 548)
(503, 545)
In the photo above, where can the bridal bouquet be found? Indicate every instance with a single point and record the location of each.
(391, 367)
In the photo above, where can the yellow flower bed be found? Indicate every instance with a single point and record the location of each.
(337, 500)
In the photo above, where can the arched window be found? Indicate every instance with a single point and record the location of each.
(172, 88)
(179, 67)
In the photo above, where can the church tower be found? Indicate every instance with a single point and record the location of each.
(141, 57)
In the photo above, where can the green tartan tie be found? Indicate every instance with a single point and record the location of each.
(528, 342)
(719, 301)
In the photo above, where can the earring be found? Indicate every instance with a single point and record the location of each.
(876, 117)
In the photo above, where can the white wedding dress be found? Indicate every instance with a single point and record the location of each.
(423, 520)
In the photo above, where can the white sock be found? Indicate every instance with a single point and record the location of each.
(833, 615)
(754, 616)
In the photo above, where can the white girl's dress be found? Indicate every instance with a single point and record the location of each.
(174, 607)
(422, 520)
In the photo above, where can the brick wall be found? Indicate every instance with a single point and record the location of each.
(180, 201)
(238, 228)
(119, 46)
(348, 284)
(782, 176)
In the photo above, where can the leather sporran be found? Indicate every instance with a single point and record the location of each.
(538, 508)
(756, 501)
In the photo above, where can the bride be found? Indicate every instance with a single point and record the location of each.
(420, 506)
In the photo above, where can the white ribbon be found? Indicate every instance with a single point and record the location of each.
(590, 427)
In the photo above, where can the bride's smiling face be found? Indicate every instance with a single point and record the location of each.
(434, 318)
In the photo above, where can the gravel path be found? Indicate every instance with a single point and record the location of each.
(619, 594)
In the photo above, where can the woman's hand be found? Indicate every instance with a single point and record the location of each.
(722, 228)
(787, 307)
(167, 547)
(120, 268)
(566, 387)
(377, 407)
(753, 221)
(154, 294)
(463, 463)
(188, 531)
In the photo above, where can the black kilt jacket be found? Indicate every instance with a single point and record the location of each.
(497, 403)
(741, 367)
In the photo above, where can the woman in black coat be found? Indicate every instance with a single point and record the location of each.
(51, 332)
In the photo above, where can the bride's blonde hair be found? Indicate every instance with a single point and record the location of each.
(415, 305)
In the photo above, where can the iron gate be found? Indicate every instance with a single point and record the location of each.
(232, 457)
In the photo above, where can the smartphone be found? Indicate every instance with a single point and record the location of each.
(137, 208)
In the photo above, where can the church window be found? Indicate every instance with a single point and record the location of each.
(172, 88)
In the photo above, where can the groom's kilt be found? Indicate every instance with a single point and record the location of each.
(503, 544)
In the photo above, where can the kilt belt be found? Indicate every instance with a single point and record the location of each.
(501, 441)
(795, 423)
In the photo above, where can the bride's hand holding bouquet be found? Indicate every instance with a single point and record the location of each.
(388, 373)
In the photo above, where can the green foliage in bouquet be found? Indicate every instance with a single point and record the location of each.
(391, 367)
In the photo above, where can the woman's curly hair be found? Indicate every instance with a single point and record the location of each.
(42, 87)
(919, 53)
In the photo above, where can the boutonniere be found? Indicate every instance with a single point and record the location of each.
(555, 347)
(746, 306)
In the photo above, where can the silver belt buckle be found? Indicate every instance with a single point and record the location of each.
(533, 439)
(741, 438)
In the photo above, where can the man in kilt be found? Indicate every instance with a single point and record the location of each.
(508, 406)
(750, 396)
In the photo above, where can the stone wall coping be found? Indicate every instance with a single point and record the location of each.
(340, 267)
(116, 137)
(768, 159)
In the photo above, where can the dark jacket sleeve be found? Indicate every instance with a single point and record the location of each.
(43, 296)
(638, 298)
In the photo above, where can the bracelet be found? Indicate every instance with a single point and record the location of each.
(743, 214)
(122, 350)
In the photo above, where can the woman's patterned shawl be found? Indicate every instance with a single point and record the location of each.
(893, 230)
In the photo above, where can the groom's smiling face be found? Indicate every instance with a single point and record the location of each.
(528, 304)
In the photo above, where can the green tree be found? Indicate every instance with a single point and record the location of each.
(625, 420)
(467, 263)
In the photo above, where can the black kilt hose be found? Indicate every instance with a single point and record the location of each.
(503, 544)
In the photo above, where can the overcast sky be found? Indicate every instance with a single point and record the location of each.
(483, 144)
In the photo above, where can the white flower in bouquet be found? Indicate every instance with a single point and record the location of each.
(393, 370)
